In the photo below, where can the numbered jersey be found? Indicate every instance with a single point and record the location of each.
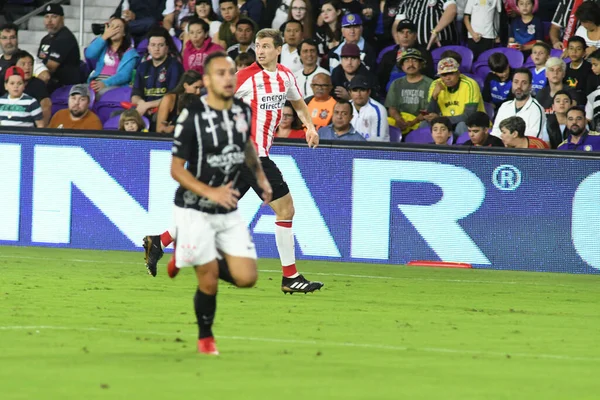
(213, 144)
(266, 93)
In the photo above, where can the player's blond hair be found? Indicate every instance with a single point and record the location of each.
(271, 33)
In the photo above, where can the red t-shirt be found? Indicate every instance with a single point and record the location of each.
(535, 143)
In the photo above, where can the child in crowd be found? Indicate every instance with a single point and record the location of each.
(540, 53)
(482, 20)
(592, 108)
(16, 107)
(526, 29)
(441, 131)
(244, 60)
(131, 121)
(479, 131)
(578, 70)
(498, 83)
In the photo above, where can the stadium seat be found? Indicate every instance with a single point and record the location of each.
(178, 43)
(515, 60)
(395, 134)
(489, 110)
(113, 123)
(111, 102)
(463, 138)
(480, 81)
(60, 98)
(419, 135)
(465, 53)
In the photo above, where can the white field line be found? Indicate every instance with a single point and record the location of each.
(321, 343)
(269, 271)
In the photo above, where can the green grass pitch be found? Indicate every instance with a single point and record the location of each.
(77, 324)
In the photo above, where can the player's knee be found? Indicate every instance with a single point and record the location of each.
(287, 212)
(247, 279)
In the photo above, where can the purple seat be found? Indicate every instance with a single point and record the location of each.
(178, 43)
(60, 98)
(142, 47)
(419, 135)
(382, 53)
(515, 60)
(489, 110)
(465, 53)
(480, 81)
(111, 102)
(113, 123)
(463, 138)
(395, 134)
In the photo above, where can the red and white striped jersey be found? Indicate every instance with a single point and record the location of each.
(266, 93)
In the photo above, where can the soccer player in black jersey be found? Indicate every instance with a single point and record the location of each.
(213, 137)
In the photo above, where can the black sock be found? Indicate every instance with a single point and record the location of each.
(224, 273)
(205, 306)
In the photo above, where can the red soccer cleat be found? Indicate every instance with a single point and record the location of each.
(208, 346)
(172, 270)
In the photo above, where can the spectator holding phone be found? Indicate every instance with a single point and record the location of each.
(190, 82)
(526, 29)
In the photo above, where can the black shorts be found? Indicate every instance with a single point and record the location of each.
(274, 176)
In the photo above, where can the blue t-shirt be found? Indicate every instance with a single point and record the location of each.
(327, 133)
(499, 91)
(526, 32)
(538, 81)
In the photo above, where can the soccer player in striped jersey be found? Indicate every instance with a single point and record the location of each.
(265, 86)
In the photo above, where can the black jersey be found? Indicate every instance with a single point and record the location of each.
(213, 143)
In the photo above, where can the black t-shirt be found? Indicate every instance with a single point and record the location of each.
(64, 49)
(492, 141)
(215, 139)
(36, 88)
(577, 79)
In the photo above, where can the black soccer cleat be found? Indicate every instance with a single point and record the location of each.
(299, 284)
(153, 252)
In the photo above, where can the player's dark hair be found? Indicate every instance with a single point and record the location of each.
(543, 45)
(577, 39)
(271, 33)
(589, 11)
(478, 119)
(344, 101)
(245, 59)
(189, 77)
(245, 21)
(525, 71)
(452, 54)
(563, 92)
(444, 121)
(514, 124)
(201, 22)
(498, 63)
(307, 42)
(23, 54)
(9, 26)
(211, 57)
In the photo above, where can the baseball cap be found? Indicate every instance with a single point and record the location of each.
(351, 20)
(406, 24)
(80, 89)
(359, 82)
(54, 9)
(350, 50)
(447, 65)
(12, 71)
(409, 53)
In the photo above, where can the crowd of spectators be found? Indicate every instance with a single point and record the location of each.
(473, 72)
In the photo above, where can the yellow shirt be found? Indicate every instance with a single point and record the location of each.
(452, 104)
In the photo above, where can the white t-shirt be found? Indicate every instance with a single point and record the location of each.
(290, 60)
(485, 17)
(582, 32)
(304, 81)
(371, 122)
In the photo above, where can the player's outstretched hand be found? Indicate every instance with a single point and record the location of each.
(267, 191)
(225, 196)
(312, 137)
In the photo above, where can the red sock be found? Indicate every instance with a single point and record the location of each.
(289, 270)
(166, 239)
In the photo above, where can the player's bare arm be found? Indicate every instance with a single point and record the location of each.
(254, 164)
(225, 196)
(312, 137)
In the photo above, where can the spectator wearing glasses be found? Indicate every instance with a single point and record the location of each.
(308, 50)
(290, 126)
(320, 105)
(301, 11)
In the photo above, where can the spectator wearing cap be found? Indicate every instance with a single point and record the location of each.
(454, 96)
(435, 19)
(341, 127)
(524, 106)
(34, 87)
(320, 105)
(406, 38)
(482, 20)
(9, 41)
(352, 31)
(369, 117)
(78, 115)
(308, 50)
(59, 50)
(408, 96)
(16, 107)
(580, 138)
(348, 69)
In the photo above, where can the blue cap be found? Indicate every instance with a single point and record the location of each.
(351, 20)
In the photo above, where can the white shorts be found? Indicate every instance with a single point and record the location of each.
(200, 235)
